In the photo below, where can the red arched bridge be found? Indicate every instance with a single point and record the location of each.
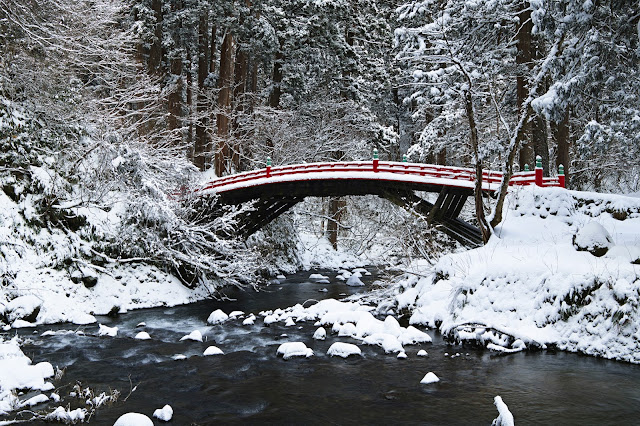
(274, 190)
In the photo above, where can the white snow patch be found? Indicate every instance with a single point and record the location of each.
(213, 350)
(143, 335)
(430, 377)
(104, 330)
(320, 334)
(217, 317)
(194, 335)
(133, 419)
(165, 413)
(344, 350)
(505, 418)
(294, 349)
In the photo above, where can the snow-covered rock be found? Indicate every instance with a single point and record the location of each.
(235, 314)
(354, 281)
(401, 355)
(213, 350)
(386, 341)
(143, 335)
(133, 419)
(320, 334)
(24, 308)
(270, 319)
(422, 352)
(294, 349)
(165, 413)
(194, 335)
(289, 322)
(430, 377)
(104, 330)
(217, 317)
(505, 418)
(594, 238)
(250, 320)
(343, 349)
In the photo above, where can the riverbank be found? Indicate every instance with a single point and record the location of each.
(535, 284)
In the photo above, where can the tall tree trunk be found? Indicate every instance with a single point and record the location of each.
(241, 70)
(276, 80)
(524, 60)
(539, 138)
(224, 104)
(202, 146)
(560, 133)
(155, 51)
(175, 96)
(336, 207)
(441, 157)
(189, 106)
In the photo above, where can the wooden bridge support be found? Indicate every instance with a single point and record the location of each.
(443, 214)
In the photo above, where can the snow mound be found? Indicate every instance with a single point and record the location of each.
(213, 350)
(320, 334)
(217, 317)
(250, 320)
(133, 419)
(505, 418)
(23, 308)
(290, 322)
(401, 355)
(344, 350)
(104, 330)
(235, 314)
(294, 349)
(354, 281)
(422, 352)
(143, 335)
(430, 377)
(165, 413)
(194, 335)
(594, 238)
(17, 373)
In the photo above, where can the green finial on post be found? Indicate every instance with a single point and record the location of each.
(538, 161)
(561, 169)
(404, 158)
(375, 153)
(268, 161)
(526, 167)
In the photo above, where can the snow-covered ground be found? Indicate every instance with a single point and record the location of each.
(532, 286)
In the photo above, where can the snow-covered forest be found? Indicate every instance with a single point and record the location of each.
(111, 109)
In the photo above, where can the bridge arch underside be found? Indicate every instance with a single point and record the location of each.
(273, 199)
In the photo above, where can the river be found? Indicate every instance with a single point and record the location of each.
(251, 385)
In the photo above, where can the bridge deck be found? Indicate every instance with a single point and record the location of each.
(274, 190)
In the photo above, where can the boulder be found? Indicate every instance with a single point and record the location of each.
(593, 238)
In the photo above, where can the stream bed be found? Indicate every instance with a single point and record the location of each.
(249, 384)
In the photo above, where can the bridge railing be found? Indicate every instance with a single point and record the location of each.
(491, 179)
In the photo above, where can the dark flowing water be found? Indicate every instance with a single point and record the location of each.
(250, 385)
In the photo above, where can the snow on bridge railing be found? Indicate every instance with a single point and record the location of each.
(452, 173)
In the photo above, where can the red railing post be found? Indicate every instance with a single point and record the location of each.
(375, 160)
(561, 176)
(538, 170)
(268, 166)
